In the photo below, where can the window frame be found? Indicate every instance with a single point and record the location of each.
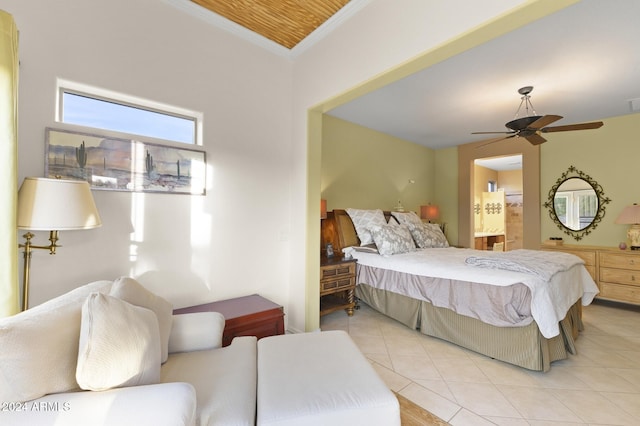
(79, 89)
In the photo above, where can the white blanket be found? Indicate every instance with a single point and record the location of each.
(543, 264)
(550, 299)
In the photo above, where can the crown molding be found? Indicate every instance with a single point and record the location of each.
(225, 24)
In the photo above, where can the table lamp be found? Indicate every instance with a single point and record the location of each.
(630, 215)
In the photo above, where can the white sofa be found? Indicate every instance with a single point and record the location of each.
(99, 356)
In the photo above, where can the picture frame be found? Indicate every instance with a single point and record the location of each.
(121, 164)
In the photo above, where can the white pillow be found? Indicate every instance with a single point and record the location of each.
(428, 235)
(392, 239)
(407, 218)
(119, 345)
(39, 347)
(362, 220)
(133, 292)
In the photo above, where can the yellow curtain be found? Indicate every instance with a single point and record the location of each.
(9, 292)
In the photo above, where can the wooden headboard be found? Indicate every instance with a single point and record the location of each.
(338, 230)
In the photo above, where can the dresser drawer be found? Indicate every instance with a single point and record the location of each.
(620, 276)
(623, 261)
(337, 284)
(589, 257)
(626, 293)
(591, 269)
(336, 271)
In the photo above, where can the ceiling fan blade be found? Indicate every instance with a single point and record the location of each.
(490, 141)
(544, 121)
(535, 139)
(491, 133)
(569, 127)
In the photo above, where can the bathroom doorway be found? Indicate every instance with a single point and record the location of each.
(498, 203)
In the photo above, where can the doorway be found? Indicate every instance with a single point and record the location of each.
(530, 194)
(498, 202)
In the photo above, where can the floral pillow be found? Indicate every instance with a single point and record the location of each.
(428, 235)
(407, 218)
(362, 220)
(392, 239)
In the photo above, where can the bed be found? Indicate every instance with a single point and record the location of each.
(525, 318)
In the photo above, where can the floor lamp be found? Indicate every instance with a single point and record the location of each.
(52, 205)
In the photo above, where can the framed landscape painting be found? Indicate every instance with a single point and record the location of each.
(119, 164)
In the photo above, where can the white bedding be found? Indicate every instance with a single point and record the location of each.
(550, 300)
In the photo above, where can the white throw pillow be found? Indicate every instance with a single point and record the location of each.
(362, 220)
(119, 345)
(392, 239)
(39, 347)
(133, 292)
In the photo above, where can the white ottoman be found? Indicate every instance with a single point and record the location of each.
(320, 379)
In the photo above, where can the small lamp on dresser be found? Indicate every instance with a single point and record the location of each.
(630, 215)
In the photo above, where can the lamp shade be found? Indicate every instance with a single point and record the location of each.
(55, 205)
(630, 215)
(429, 212)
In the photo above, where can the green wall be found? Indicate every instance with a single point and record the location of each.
(365, 169)
(446, 190)
(610, 156)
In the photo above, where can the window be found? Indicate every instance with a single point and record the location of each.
(96, 108)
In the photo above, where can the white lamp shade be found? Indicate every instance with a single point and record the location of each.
(630, 215)
(55, 205)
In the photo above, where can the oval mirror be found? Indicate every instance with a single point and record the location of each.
(576, 203)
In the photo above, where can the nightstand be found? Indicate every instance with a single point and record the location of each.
(337, 284)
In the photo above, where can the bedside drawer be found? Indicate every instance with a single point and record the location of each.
(626, 293)
(336, 284)
(620, 276)
(623, 261)
(336, 271)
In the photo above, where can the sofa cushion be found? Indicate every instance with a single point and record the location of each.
(133, 292)
(166, 404)
(119, 344)
(224, 379)
(317, 379)
(196, 331)
(40, 346)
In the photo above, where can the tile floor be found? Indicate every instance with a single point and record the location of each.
(598, 386)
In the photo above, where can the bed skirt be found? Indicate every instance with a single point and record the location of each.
(522, 346)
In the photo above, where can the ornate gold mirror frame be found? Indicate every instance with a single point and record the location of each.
(573, 173)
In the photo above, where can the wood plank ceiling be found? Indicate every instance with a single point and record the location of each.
(286, 22)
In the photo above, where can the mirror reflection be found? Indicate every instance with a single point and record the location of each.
(575, 203)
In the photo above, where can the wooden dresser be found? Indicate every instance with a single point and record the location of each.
(615, 271)
(244, 316)
(620, 275)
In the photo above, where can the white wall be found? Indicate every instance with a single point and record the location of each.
(249, 234)
(232, 242)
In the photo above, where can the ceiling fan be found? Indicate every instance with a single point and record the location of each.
(532, 125)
